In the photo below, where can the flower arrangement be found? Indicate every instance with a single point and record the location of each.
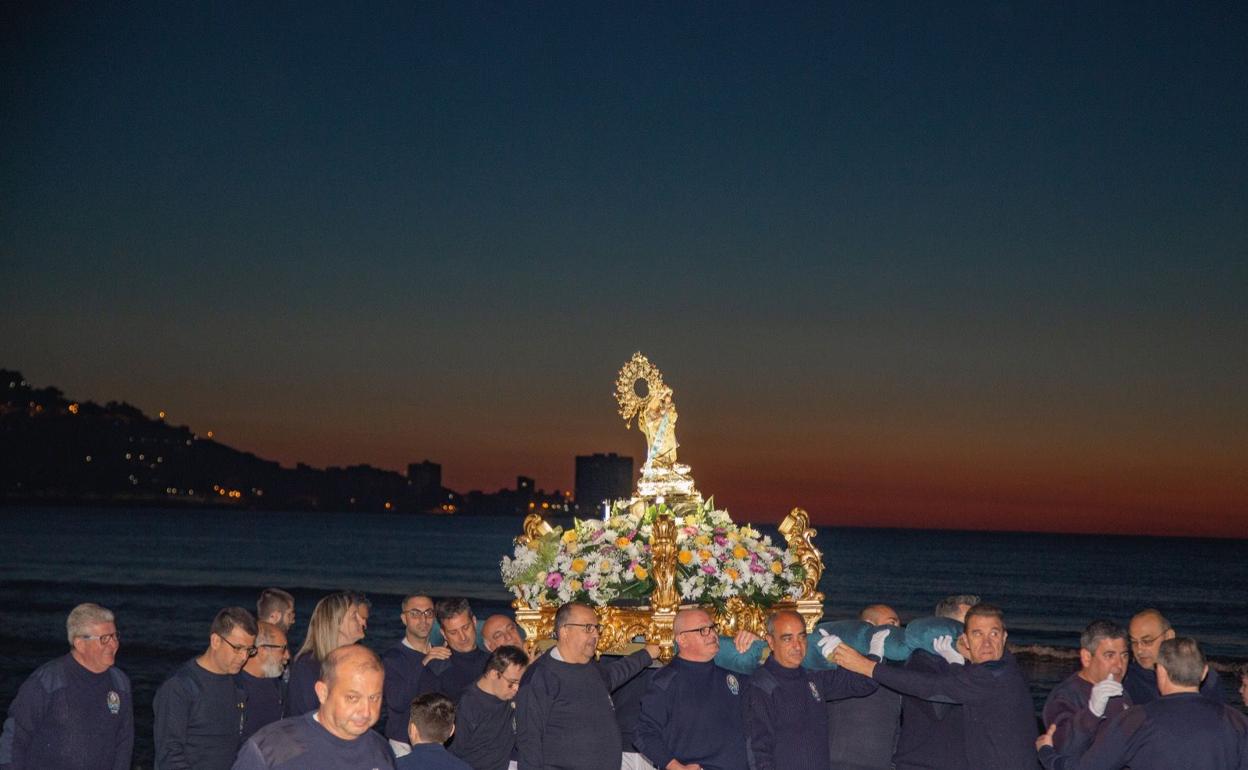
(602, 560)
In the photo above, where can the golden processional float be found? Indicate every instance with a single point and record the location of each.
(662, 550)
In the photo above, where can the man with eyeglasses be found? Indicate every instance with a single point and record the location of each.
(405, 664)
(691, 713)
(1148, 629)
(74, 712)
(564, 714)
(199, 711)
(261, 679)
(485, 716)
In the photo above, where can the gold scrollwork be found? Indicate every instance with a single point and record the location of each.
(630, 401)
(801, 539)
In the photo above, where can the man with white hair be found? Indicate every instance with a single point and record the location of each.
(75, 712)
(261, 678)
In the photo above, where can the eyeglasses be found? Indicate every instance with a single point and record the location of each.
(104, 638)
(590, 628)
(251, 651)
(419, 613)
(273, 646)
(705, 632)
(1146, 641)
(510, 681)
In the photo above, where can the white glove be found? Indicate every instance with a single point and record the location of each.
(827, 643)
(943, 646)
(1101, 693)
(877, 643)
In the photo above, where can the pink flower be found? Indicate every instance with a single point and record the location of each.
(553, 580)
(708, 569)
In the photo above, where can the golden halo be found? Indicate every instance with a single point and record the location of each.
(637, 368)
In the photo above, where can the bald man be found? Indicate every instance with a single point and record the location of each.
(1148, 629)
(338, 735)
(880, 615)
(691, 713)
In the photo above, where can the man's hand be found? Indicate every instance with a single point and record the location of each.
(654, 651)
(1047, 738)
(877, 643)
(827, 643)
(1101, 693)
(436, 653)
(848, 658)
(943, 646)
(744, 640)
(678, 765)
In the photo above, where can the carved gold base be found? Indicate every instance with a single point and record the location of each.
(621, 625)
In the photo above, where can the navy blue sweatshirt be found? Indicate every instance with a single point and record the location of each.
(786, 720)
(692, 713)
(999, 720)
(1067, 707)
(1141, 684)
(862, 732)
(430, 756)
(627, 700)
(264, 701)
(453, 675)
(65, 717)
(1183, 730)
(485, 730)
(301, 743)
(565, 719)
(403, 674)
(301, 698)
(198, 720)
(933, 735)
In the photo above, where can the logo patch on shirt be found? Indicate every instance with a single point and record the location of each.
(733, 685)
(814, 691)
(114, 702)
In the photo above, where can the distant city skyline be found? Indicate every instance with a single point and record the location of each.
(972, 266)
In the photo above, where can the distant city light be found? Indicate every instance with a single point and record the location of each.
(88, 458)
(161, 414)
(209, 434)
(73, 409)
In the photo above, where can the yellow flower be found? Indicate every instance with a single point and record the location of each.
(777, 567)
(684, 557)
(732, 573)
(733, 536)
(622, 542)
(739, 552)
(702, 540)
(578, 565)
(640, 572)
(705, 555)
(575, 585)
(569, 536)
(605, 566)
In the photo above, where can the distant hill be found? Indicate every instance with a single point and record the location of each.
(54, 449)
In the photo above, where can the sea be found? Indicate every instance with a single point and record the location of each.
(165, 573)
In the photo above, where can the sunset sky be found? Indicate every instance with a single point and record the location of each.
(903, 264)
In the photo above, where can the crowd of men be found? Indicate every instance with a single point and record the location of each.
(1143, 697)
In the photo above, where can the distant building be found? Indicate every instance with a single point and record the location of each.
(601, 477)
(424, 481)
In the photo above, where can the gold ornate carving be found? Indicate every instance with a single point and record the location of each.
(801, 539)
(630, 401)
(534, 528)
(665, 597)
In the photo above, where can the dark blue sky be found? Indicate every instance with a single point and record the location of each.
(902, 264)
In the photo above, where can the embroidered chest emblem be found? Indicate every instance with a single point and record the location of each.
(814, 691)
(734, 686)
(114, 702)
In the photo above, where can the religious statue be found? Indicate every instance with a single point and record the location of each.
(641, 393)
(658, 422)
